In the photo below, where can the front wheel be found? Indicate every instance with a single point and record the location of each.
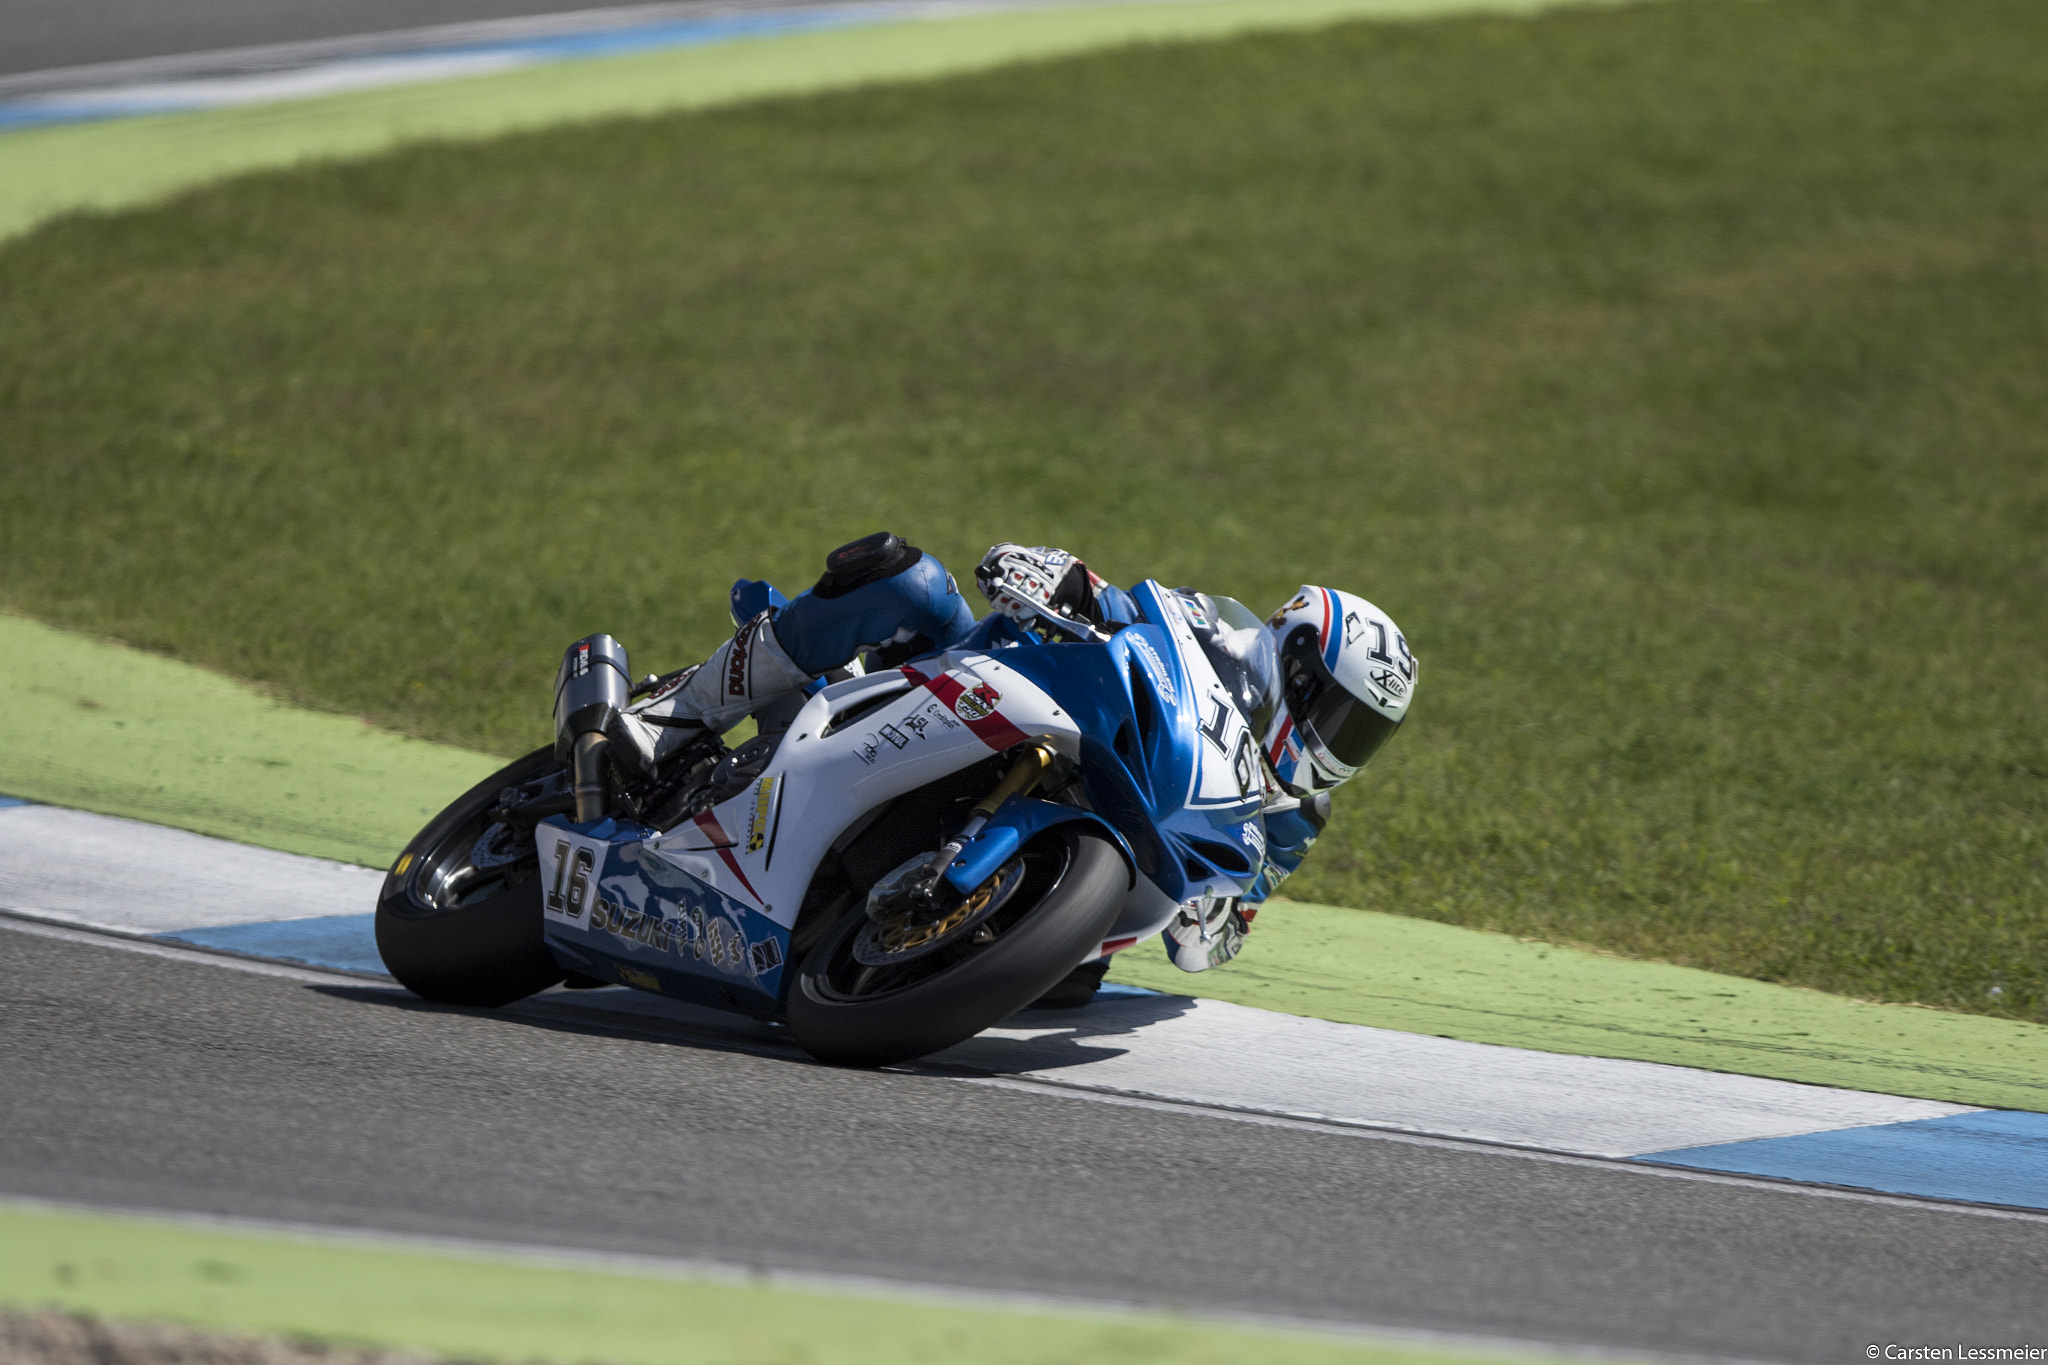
(459, 921)
(852, 1013)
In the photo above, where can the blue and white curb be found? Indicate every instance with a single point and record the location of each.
(140, 880)
(295, 71)
(1982, 1156)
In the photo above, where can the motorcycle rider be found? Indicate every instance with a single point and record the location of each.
(1324, 682)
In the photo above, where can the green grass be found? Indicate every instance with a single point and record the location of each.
(479, 1306)
(1673, 375)
(125, 162)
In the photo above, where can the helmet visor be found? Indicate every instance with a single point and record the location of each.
(1340, 728)
(1348, 730)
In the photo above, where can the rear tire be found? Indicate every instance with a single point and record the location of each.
(842, 1013)
(460, 934)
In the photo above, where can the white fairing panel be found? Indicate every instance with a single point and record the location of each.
(933, 718)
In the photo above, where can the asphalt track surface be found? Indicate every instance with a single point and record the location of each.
(167, 1082)
(37, 35)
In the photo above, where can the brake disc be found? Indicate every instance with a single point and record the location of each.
(902, 933)
(498, 846)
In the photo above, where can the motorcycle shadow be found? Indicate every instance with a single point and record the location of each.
(1040, 1040)
(1031, 1040)
(609, 1012)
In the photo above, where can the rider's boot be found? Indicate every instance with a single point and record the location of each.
(745, 673)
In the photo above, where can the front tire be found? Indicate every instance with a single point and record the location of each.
(850, 1015)
(460, 933)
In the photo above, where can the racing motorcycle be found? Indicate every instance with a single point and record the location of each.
(896, 861)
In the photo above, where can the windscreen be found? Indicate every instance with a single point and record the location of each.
(1240, 649)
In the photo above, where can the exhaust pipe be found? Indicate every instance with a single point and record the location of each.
(591, 687)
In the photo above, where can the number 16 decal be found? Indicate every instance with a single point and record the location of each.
(577, 876)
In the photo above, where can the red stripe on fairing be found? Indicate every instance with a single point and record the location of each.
(734, 864)
(722, 846)
(1280, 741)
(1324, 641)
(1115, 945)
(992, 730)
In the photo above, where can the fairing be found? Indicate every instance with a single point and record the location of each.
(704, 911)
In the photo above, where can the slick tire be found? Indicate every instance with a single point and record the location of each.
(836, 1019)
(458, 934)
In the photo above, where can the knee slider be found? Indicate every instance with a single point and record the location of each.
(867, 560)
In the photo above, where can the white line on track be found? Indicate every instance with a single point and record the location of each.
(295, 71)
(742, 1035)
(909, 1293)
(273, 57)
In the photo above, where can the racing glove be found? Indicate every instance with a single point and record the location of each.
(1026, 582)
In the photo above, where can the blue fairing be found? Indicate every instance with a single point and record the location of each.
(1141, 726)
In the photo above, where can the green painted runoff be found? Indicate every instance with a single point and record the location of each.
(479, 1307)
(121, 731)
(104, 727)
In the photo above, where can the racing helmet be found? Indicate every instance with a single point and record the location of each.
(1346, 678)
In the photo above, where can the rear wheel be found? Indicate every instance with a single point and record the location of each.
(861, 1013)
(461, 922)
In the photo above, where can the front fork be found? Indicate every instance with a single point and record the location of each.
(922, 886)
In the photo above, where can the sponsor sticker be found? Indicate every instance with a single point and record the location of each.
(1279, 618)
(736, 662)
(725, 946)
(671, 687)
(647, 928)
(757, 820)
(977, 703)
(1389, 680)
(1156, 666)
(896, 737)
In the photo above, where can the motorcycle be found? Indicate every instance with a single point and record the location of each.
(898, 860)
